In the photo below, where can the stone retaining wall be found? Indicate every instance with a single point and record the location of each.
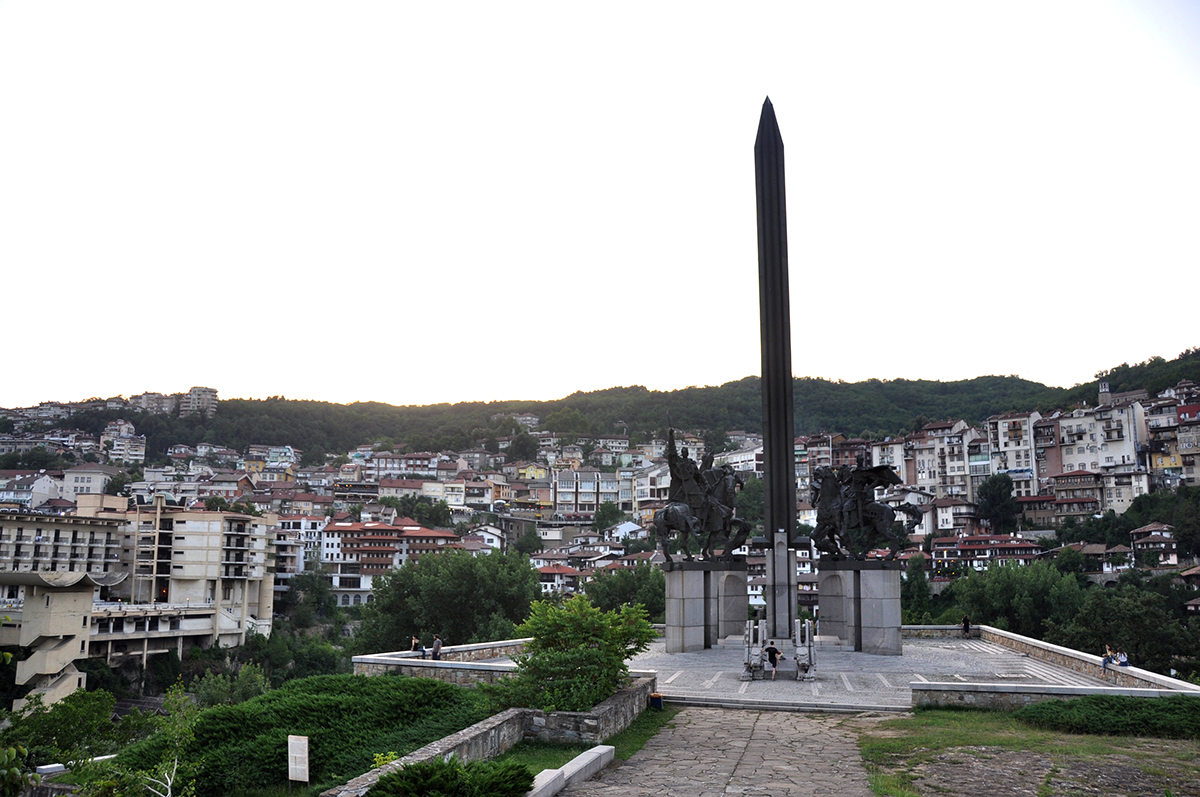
(1006, 697)
(456, 665)
(498, 733)
(936, 631)
(455, 672)
(606, 719)
(1086, 663)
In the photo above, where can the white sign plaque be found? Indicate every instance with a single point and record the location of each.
(298, 758)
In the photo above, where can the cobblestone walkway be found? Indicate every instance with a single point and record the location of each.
(713, 752)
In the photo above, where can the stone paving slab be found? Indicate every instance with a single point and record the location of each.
(845, 680)
(711, 752)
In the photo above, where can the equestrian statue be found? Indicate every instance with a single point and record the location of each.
(702, 501)
(844, 500)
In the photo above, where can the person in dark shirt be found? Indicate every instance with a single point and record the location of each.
(773, 657)
(436, 653)
(417, 647)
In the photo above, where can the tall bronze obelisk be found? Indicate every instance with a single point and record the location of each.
(777, 409)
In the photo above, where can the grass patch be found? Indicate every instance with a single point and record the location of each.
(892, 785)
(900, 754)
(545, 755)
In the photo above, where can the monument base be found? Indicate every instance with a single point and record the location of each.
(860, 604)
(706, 601)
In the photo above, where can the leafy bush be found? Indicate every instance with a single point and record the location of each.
(452, 779)
(1175, 717)
(76, 727)
(576, 657)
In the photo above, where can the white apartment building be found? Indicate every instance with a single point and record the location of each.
(1011, 439)
(141, 581)
(199, 401)
(583, 491)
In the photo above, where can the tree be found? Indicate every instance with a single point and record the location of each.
(643, 585)
(915, 592)
(216, 503)
(459, 596)
(215, 689)
(117, 483)
(1070, 560)
(1024, 600)
(751, 501)
(608, 514)
(523, 448)
(310, 597)
(567, 421)
(1131, 618)
(529, 543)
(996, 503)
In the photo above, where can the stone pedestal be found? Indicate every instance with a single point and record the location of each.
(780, 589)
(860, 604)
(706, 601)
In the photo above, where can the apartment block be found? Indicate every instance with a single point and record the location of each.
(134, 582)
(199, 401)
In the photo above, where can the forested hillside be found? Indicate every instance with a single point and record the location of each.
(875, 407)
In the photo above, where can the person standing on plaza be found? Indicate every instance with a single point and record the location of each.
(436, 652)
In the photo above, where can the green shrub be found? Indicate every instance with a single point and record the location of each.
(576, 657)
(1175, 717)
(452, 779)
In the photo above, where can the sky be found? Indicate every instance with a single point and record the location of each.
(416, 203)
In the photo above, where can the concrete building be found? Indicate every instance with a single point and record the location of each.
(199, 401)
(84, 479)
(1011, 442)
(150, 579)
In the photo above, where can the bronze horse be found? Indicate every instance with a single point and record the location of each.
(675, 516)
(844, 501)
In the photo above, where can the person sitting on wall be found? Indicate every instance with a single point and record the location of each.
(1122, 659)
(1110, 656)
(417, 646)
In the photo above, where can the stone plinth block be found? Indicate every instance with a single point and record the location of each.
(706, 600)
(860, 604)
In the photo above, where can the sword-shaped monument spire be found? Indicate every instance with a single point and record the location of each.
(779, 428)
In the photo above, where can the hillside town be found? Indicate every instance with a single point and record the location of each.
(196, 550)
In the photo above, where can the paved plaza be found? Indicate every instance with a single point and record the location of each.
(712, 751)
(785, 737)
(844, 680)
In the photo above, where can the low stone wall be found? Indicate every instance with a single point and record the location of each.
(606, 719)
(1006, 697)
(478, 652)
(1086, 663)
(936, 631)
(454, 672)
(500, 732)
(456, 665)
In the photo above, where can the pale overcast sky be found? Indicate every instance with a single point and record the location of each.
(426, 202)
